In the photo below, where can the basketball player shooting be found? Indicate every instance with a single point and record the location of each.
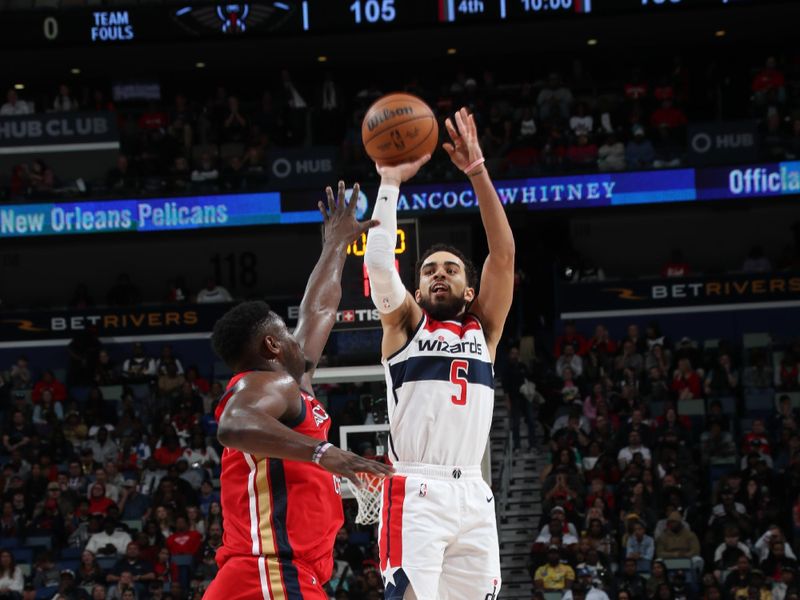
(438, 537)
(280, 476)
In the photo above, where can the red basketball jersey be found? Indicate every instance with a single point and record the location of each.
(280, 509)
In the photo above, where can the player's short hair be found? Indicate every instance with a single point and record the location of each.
(236, 331)
(469, 266)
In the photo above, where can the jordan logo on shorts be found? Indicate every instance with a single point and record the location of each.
(493, 594)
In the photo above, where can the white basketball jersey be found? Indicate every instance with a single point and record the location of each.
(440, 394)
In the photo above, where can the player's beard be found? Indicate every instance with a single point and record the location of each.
(447, 310)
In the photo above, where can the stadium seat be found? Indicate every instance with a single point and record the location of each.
(22, 555)
(9, 542)
(111, 392)
(692, 408)
(134, 524)
(759, 403)
(140, 390)
(728, 405)
(756, 340)
(46, 593)
(40, 541)
(72, 565)
(657, 409)
(231, 149)
(106, 562)
(71, 553)
(552, 595)
(79, 392)
(26, 569)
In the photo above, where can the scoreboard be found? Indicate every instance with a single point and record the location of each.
(205, 20)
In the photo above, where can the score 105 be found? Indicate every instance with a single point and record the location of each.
(359, 247)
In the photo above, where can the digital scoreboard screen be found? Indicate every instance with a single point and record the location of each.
(164, 23)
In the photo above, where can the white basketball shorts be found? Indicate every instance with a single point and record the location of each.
(438, 537)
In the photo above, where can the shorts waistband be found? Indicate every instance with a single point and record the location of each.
(447, 473)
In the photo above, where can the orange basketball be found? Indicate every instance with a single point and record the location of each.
(399, 128)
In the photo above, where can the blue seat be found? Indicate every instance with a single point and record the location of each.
(106, 562)
(6, 543)
(22, 555)
(759, 403)
(39, 541)
(71, 553)
(46, 593)
(72, 565)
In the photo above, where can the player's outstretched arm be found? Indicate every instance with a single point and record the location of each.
(497, 278)
(324, 289)
(251, 423)
(398, 310)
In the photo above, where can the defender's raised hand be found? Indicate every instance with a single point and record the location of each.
(339, 217)
(465, 149)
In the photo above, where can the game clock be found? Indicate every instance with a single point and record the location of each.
(356, 310)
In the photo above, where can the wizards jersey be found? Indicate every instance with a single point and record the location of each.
(440, 389)
(281, 510)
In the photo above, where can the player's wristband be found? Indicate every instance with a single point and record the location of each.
(476, 163)
(319, 451)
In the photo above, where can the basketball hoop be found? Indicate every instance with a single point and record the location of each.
(368, 498)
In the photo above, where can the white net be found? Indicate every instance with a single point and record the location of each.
(368, 498)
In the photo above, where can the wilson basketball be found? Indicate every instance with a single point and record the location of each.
(399, 128)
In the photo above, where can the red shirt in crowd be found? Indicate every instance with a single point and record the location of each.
(581, 155)
(668, 117)
(57, 389)
(576, 339)
(153, 120)
(184, 542)
(100, 505)
(675, 269)
(166, 572)
(768, 79)
(756, 442)
(165, 457)
(634, 91)
(690, 381)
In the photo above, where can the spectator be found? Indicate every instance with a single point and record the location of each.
(554, 100)
(19, 434)
(569, 360)
(110, 541)
(678, 541)
(756, 262)
(64, 101)
(570, 336)
(67, 589)
(48, 382)
(11, 578)
(769, 84)
(723, 379)
(133, 505)
(205, 175)
(233, 174)
(639, 153)
(627, 454)
(213, 293)
(640, 547)
(139, 367)
(667, 115)
(123, 292)
(676, 266)
(686, 381)
(554, 576)
(738, 579)
(141, 572)
(122, 178)
(20, 374)
(787, 378)
(611, 154)
(89, 572)
(717, 445)
(99, 503)
(200, 454)
(727, 554)
(184, 540)
(583, 153)
(103, 448)
(235, 124)
(756, 440)
(169, 452)
(45, 572)
(581, 122)
(13, 107)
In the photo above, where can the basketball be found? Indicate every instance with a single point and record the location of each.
(399, 128)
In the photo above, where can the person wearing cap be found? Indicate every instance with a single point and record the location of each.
(585, 585)
(640, 547)
(554, 576)
(67, 590)
(139, 367)
(678, 541)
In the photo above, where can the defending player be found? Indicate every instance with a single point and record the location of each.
(281, 510)
(438, 537)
